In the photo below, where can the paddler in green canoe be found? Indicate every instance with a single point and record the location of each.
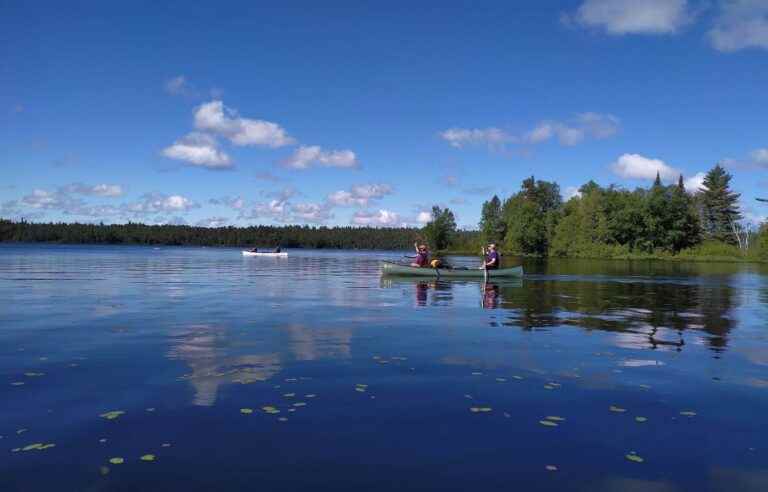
(492, 258)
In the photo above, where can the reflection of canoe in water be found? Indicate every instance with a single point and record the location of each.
(277, 255)
(390, 268)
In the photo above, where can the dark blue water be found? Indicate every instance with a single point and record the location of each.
(648, 377)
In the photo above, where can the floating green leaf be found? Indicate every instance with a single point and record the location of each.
(289, 395)
(112, 415)
(551, 468)
(34, 374)
(246, 410)
(148, 457)
(548, 423)
(360, 390)
(477, 373)
(480, 409)
(361, 385)
(634, 457)
(150, 409)
(21, 431)
(117, 461)
(501, 380)
(283, 419)
(549, 387)
(166, 445)
(555, 418)
(519, 378)
(311, 395)
(688, 413)
(641, 419)
(300, 404)
(30, 447)
(47, 446)
(616, 409)
(270, 409)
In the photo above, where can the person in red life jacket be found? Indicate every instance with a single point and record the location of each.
(492, 258)
(422, 256)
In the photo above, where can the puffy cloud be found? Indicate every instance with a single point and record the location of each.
(618, 17)
(741, 24)
(236, 203)
(492, 137)
(213, 222)
(382, 218)
(423, 217)
(694, 183)
(160, 203)
(636, 166)
(106, 190)
(310, 212)
(590, 124)
(217, 118)
(177, 85)
(198, 149)
(570, 192)
(307, 156)
(760, 157)
(359, 195)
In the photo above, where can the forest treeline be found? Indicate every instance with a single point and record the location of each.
(181, 235)
(613, 222)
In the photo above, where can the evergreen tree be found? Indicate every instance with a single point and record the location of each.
(531, 217)
(720, 209)
(441, 230)
(492, 226)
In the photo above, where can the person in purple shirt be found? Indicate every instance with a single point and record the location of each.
(492, 258)
(422, 256)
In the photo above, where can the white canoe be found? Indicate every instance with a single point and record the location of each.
(282, 254)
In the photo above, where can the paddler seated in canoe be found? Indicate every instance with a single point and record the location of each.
(277, 250)
(492, 258)
(422, 256)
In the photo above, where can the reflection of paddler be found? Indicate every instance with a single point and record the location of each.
(421, 293)
(490, 296)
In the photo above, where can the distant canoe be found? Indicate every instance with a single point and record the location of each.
(390, 268)
(275, 255)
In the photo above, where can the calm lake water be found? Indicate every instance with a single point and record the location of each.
(314, 373)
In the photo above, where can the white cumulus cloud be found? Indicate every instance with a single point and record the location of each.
(636, 166)
(694, 183)
(105, 190)
(423, 217)
(221, 120)
(198, 149)
(307, 156)
(492, 137)
(760, 157)
(570, 192)
(741, 24)
(359, 195)
(381, 218)
(619, 17)
(158, 203)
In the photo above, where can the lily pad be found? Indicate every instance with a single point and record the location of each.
(150, 409)
(551, 468)
(47, 446)
(519, 378)
(311, 395)
(148, 457)
(117, 460)
(641, 419)
(634, 458)
(477, 373)
(300, 404)
(112, 415)
(30, 447)
(246, 410)
(688, 413)
(165, 445)
(289, 395)
(501, 380)
(34, 374)
(360, 390)
(614, 408)
(21, 431)
(282, 419)
(270, 409)
(555, 418)
(548, 423)
(480, 409)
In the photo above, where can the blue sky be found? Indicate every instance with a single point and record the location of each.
(365, 113)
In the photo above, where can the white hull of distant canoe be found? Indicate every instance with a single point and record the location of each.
(389, 268)
(274, 255)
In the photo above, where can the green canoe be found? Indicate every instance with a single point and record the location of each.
(391, 268)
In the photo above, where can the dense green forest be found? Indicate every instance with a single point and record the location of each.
(262, 236)
(611, 222)
(663, 221)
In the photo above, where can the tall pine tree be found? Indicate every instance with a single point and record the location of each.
(720, 208)
(492, 224)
